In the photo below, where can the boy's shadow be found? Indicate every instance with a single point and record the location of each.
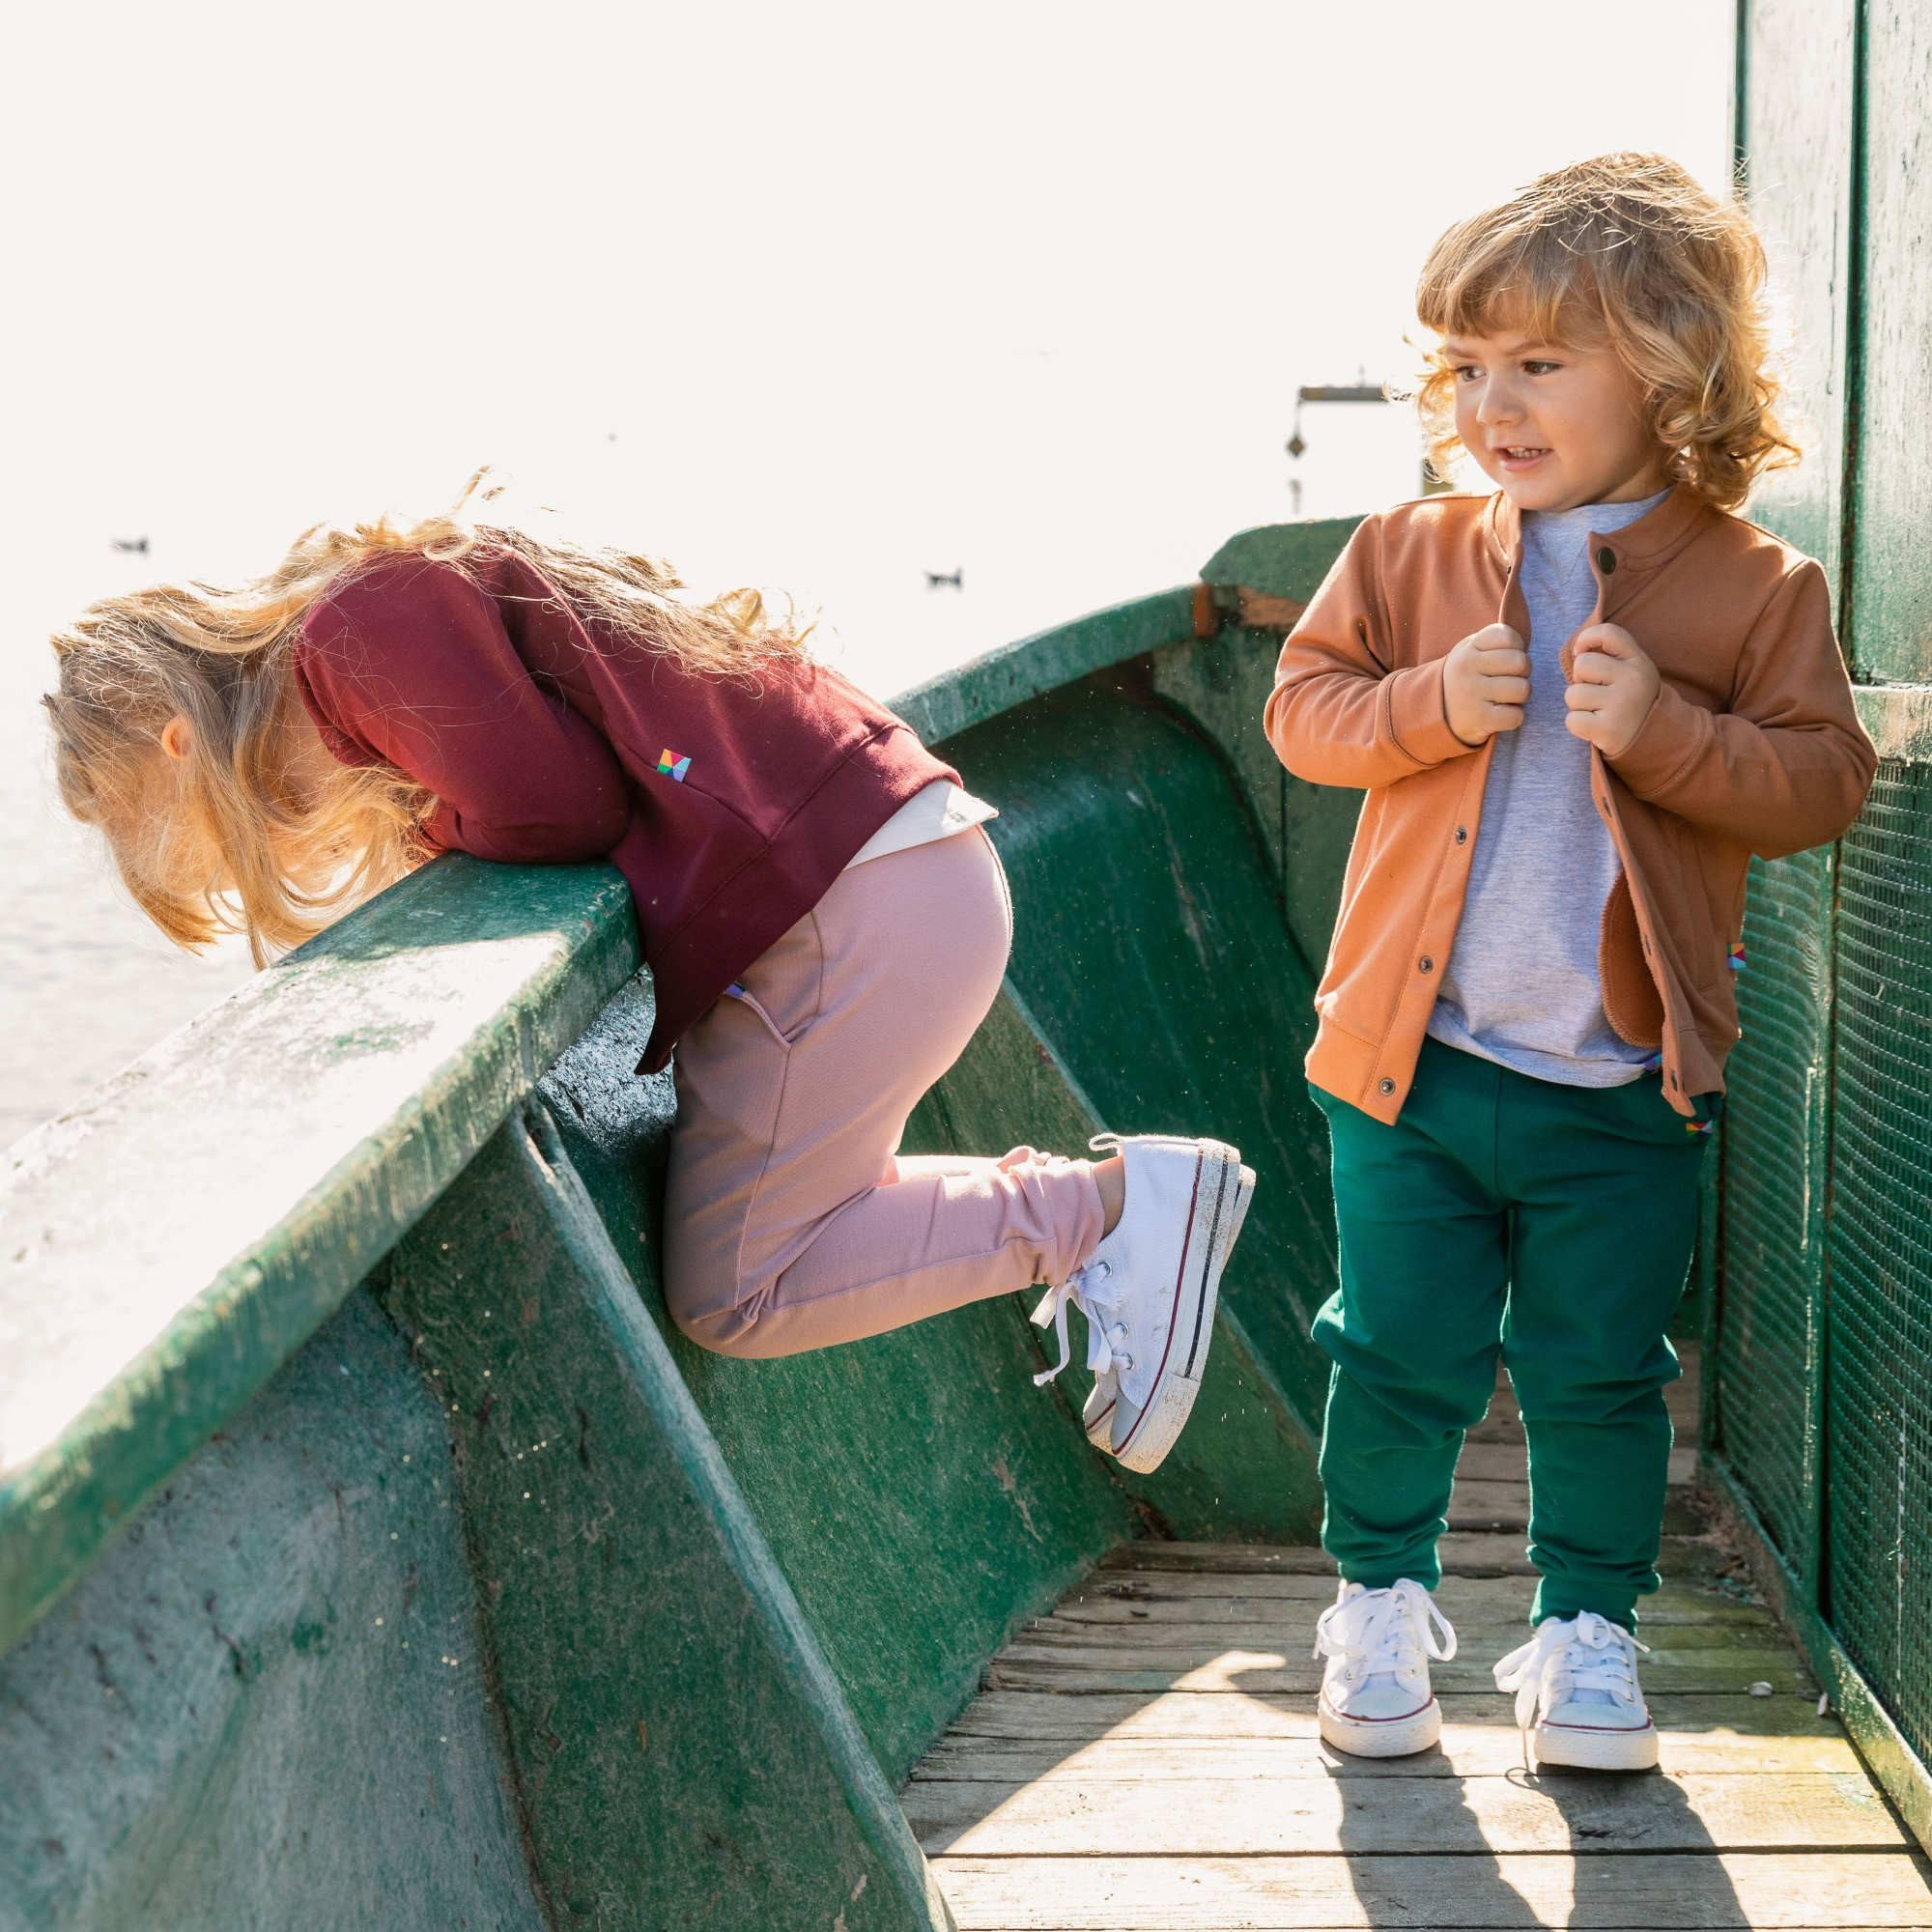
(1428, 1846)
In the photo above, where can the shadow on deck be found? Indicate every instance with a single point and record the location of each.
(1147, 1756)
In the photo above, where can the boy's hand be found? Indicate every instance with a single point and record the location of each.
(1612, 684)
(1486, 683)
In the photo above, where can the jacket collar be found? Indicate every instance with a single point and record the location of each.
(1656, 536)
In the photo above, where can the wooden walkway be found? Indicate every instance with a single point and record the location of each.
(1147, 1758)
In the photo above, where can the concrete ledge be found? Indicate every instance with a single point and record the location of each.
(171, 1242)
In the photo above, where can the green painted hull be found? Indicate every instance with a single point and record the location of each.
(385, 1556)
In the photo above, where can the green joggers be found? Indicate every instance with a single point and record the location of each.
(1553, 1225)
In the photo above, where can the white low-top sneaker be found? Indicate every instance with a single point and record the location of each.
(1577, 1695)
(1376, 1698)
(1148, 1290)
(1096, 1414)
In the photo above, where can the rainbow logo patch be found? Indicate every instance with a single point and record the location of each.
(673, 765)
(1736, 962)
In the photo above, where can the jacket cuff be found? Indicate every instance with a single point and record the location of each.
(1672, 734)
(1418, 722)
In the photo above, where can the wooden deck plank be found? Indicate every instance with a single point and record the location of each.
(1292, 1630)
(1029, 1665)
(1504, 1423)
(1504, 1462)
(1469, 1749)
(1504, 1600)
(1028, 1717)
(1491, 1504)
(1473, 1555)
(1198, 1597)
(1683, 1558)
(1666, 1891)
(1216, 1817)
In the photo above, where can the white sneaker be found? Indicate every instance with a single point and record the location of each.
(1375, 1699)
(1577, 1680)
(1096, 1414)
(1148, 1290)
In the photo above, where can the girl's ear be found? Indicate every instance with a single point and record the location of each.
(177, 736)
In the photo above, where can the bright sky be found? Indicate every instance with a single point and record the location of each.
(812, 296)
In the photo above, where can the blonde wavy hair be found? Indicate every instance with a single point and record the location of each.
(1624, 251)
(230, 836)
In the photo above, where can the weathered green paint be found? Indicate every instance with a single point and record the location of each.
(1794, 124)
(1220, 685)
(264, 1706)
(922, 1496)
(1277, 559)
(1899, 719)
(1796, 98)
(1890, 503)
(282, 1141)
(682, 1753)
(1223, 685)
(1009, 677)
(1878, 1278)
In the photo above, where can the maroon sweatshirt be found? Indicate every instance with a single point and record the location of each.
(551, 739)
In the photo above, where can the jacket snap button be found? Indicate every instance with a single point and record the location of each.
(1461, 835)
(1427, 964)
(1606, 559)
(1385, 1085)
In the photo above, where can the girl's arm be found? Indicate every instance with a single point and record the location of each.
(412, 666)
(1788, 766)
(1338, 715)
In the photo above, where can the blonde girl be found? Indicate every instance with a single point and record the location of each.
(825, 917)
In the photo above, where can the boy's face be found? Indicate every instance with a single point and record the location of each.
(1581, 408)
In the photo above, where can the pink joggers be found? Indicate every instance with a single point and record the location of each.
(790, 1221)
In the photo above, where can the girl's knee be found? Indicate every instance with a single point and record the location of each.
(728, 1331)
(728, 1325)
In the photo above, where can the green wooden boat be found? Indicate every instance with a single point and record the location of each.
(373, 1553)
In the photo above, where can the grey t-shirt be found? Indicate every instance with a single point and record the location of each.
(1521, 984)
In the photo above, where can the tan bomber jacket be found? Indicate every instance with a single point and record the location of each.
(1751, 745)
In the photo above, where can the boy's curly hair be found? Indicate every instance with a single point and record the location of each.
(1624, 251)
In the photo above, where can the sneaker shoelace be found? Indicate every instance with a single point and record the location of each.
(1589, 1654)
(1380, 1629)
(1086, 1289)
